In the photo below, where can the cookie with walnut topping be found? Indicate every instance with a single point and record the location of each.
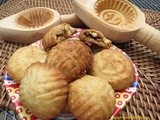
(57, 34)
(95, 37)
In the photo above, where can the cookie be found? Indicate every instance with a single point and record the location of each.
(95, 37)
(44, 90)
(91, 98)
(57, 34)
(115, 67)
(72, 56)
(23, 58)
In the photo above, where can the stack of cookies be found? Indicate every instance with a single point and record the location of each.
(68, 74)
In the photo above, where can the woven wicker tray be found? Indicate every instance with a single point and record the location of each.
(145, 105)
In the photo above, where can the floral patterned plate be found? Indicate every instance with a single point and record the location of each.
(122, 96)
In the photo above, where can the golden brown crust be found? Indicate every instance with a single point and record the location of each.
(72, 56)
(91, 98)
(95, 37)
(44, 90)
(57, 34)
(23, 58)
(114, 67)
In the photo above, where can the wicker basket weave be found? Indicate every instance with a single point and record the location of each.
(146, 102)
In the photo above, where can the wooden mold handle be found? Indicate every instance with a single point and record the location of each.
(72, 19)
(150, 37)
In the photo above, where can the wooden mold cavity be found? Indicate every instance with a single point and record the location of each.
(115, 12)
(34, 18)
